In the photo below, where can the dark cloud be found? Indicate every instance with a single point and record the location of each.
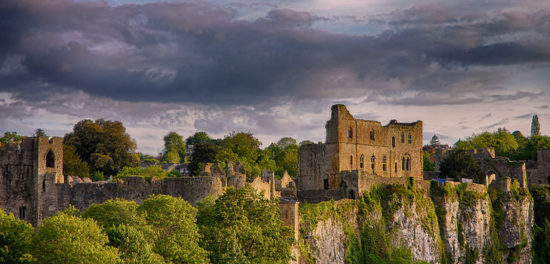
(194, 51)
(496, 124)
(528, 115)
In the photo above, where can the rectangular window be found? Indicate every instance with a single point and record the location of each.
(22, 212)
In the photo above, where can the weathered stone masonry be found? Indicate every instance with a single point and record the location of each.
(32, 185)
(361, 146)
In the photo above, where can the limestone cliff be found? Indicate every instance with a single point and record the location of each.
(403, 224)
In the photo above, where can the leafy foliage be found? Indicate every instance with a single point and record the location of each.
(427, 164)
(66, 238)
(147, 172)
(15, 239)
(461, 164)
(176, 232)
(103, 144)
(174, 148)
(514, 146)
(73, 164)
(242, 227)
(10, 137)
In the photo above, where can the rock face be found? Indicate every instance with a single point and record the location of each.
(454, 223)
(329, 242)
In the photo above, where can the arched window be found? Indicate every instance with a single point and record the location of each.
(393, 142)
(410, 138)
(351, 160)
(372, 135)
(408, 165)
(384, 163)
(372, 162)
(402, 137)
(396, 167)
(50, 159)
(350, 132)
(362, 161)
(403, 164)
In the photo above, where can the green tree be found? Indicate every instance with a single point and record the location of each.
(198, 138)
(243, 227)
(171, 156)
(306, 142)
(286, 142)
(204, 150)
(147, 172)
(502, 141)
(461, 164)
(15, 239)
(174, 148)
(115, 212)
(133, 245)
(127, 230)
(40, 133)
(541, 243)
(535, 126)
(103, 144)
(528, 150)
(66, 238)
(72, 164)
(11, 137)
(174, 222)
(427, 164)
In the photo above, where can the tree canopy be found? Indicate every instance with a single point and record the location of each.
(461, 164)
(243, 227)
(174, 148)
(512, 145)
(10, 137)
(176, 232)
(66, 238)
(73, 164)
(15, 239)
(104, 145)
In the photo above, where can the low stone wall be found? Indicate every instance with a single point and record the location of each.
(82, 195)
(316, 196)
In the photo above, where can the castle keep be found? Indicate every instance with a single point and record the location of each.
(358, 152)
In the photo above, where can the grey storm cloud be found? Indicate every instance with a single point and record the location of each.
(202, 52)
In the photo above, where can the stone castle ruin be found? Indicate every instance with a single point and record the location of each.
(357, 154)
(33, 187)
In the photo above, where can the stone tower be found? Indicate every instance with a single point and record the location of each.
(28, 173)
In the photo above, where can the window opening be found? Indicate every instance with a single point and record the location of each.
(50, 159)
(22, 212)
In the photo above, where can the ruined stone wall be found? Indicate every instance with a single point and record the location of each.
(17, 190)
(394, 150)
(290, 216)
(191, 189)
(502, 168)
(540, 175)
(24, 171)
(311, 167)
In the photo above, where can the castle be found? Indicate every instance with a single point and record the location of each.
(33, 187)
(358, 153)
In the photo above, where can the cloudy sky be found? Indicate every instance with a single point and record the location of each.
(271, 67)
